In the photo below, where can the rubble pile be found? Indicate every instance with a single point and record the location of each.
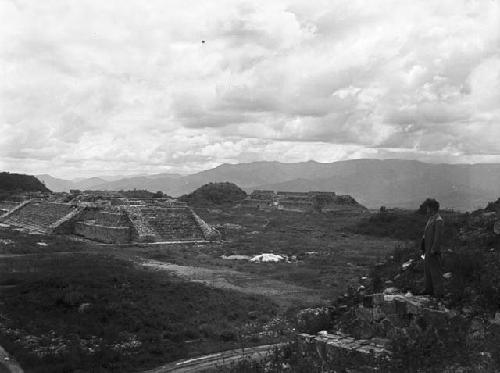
(369, 333)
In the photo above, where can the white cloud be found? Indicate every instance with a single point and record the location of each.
(128, 86)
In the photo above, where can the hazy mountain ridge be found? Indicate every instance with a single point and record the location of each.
(373, 182)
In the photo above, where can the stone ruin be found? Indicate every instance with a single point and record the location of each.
(295, 201)
(301, 201)
(367, 339)
(261, 199)
(117, 224)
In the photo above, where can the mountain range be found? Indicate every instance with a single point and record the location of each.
(373, 182)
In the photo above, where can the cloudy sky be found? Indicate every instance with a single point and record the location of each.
(126, 87)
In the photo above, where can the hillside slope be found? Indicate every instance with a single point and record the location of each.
(11, 183)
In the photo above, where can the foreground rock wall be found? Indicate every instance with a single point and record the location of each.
(393, 332)
(342, 351)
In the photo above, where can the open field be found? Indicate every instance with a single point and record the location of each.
(130, 307)
(93, 311)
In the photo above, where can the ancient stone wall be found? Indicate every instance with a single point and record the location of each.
(257, 203)
(111, 219)
(343, 351)
(295, 205)
(38, 215)
(366, 339)
(102, 233)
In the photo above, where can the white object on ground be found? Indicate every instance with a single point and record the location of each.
(42, 244)
(448, 275)
(236, 257)
(266, 258)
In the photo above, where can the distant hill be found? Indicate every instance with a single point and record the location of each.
(62, 185)
(405, 184)
(144, 182)
(55, 184)
(16, 183)
(215, 194)
(170, 184)
(372, 182)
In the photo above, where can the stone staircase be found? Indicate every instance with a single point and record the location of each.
(173, 223)
(38, 216)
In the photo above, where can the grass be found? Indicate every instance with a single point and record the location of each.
(328, 256)
(14, 242)
(139, 319)
(471, 253)
(135, 319)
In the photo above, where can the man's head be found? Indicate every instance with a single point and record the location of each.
(432, 206)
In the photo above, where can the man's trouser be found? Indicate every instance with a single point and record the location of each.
(433, 276)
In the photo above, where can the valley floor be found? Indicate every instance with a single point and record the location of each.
(153, 304)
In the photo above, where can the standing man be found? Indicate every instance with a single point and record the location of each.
(431, 244)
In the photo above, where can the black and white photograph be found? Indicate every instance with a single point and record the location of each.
(250, 186)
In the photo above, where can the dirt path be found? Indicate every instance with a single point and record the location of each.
(283, 293)
(216, 360)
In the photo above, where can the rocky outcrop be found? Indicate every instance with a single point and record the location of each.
(342, 351)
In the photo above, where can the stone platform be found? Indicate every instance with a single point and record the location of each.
(341, 350)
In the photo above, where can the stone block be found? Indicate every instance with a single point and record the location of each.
(378, 314)
(320, 345)
(333, 352)
(435, 318)
(400, 305)
(380, 342)
(414, 307)
(494, 331)
(368, 301)
(389, 307)
(377, 299)
(364, 313)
